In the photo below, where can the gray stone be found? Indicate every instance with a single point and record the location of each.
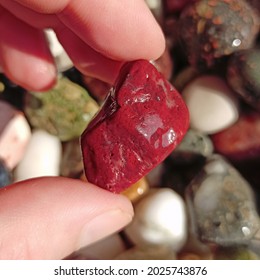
(221, 204)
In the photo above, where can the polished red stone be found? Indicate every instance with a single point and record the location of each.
(141, 122)
(240, 141)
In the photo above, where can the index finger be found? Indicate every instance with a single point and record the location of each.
(119, 29)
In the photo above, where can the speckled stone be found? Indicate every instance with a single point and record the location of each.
(222, 204)
(212, 29)
(240, 144)
(63, 111)
(193, 144)
(243, 76)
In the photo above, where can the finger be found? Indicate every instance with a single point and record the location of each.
(24, 54)
(119, 29)
(87, 60)
(28, 15)
(44, 6)
(49, 218)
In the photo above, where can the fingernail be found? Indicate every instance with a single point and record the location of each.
(102, 226)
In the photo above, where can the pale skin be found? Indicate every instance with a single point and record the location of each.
(49, 218)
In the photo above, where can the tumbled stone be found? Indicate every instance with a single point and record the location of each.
(243, 75)
(160, 219)
(194, 144)
(176, 172)
(137, 190)
(240, 144)
(240, 141)
(64, 111)
(222, 204)
(212, 29)
(42, 157)
(212, 105)
(142, 121)
(62, 60)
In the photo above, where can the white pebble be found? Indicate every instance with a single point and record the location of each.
(211, 104)
(160, 219)
(42, 157)
(62, 59)
(14, 140)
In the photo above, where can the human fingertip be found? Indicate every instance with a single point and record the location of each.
(103, 225)
(40, 77)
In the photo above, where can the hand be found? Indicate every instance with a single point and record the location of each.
(49, 218)
(97, 35)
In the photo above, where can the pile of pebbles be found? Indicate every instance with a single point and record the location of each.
(202, 202)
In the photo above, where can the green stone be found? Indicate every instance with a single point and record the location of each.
(64, 111)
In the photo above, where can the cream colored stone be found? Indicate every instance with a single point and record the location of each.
(42, 157)
(160, 219)
(212, 105)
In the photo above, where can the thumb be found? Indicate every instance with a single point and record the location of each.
(50, 217)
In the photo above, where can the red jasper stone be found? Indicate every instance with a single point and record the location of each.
(240, 142)
(142, 120)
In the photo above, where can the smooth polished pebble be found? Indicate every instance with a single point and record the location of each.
(222, 204)
(160, 219)
(64, 111)
(137, 190)
(62, 60)
(212, 105)
(14, 139)
(42, 157)
(193, 145)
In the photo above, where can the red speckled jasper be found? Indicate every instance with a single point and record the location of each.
(140, 123)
